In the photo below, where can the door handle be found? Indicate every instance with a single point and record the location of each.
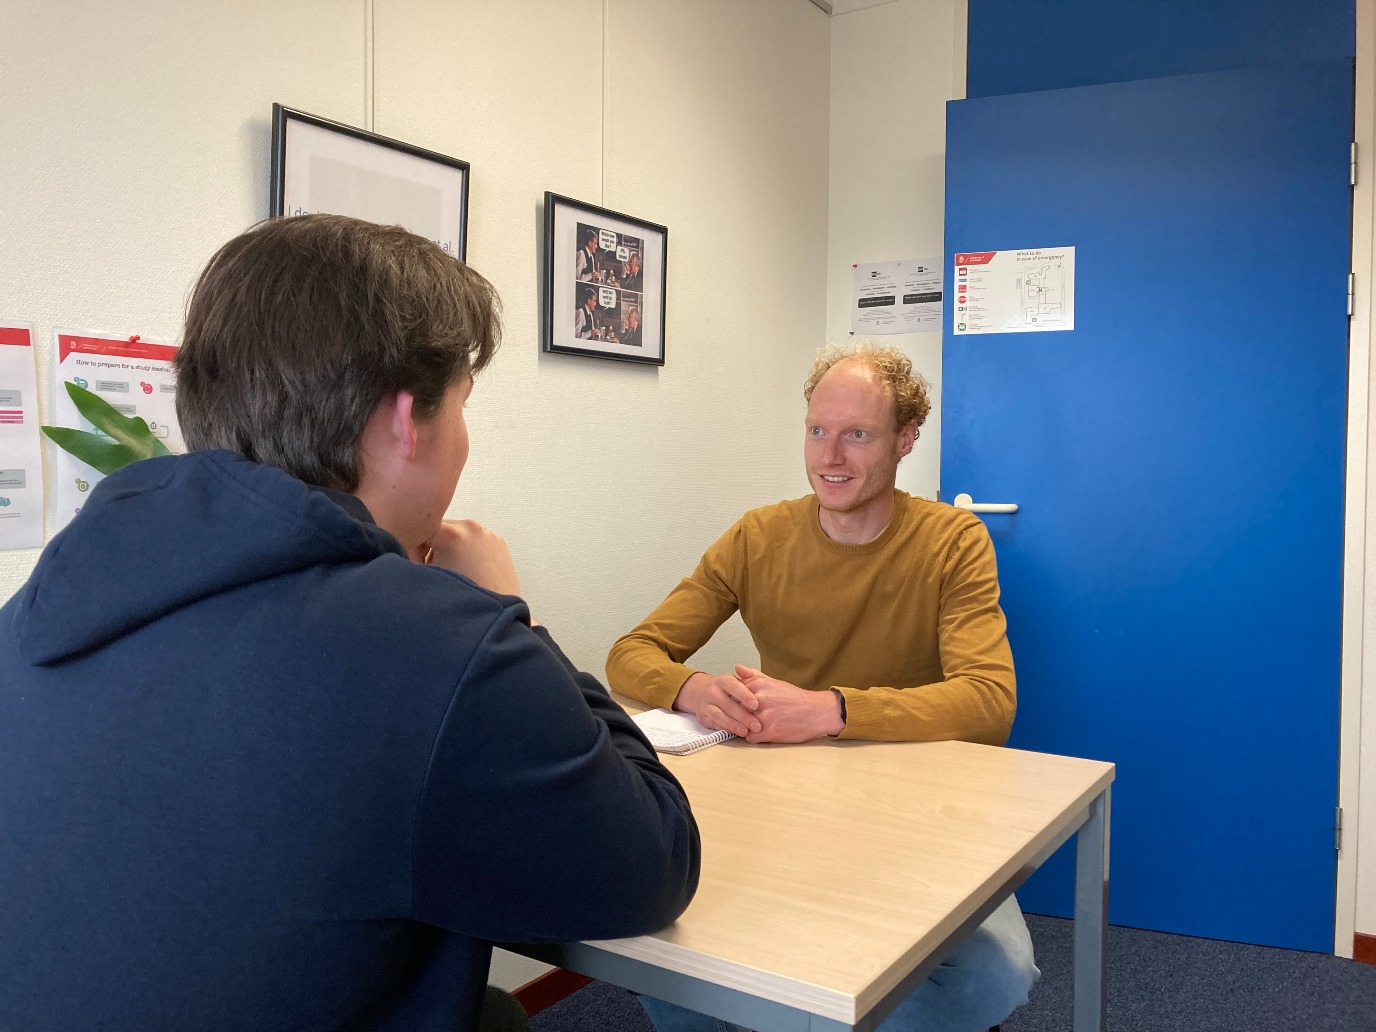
(964, 501)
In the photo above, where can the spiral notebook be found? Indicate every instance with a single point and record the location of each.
(677, 733)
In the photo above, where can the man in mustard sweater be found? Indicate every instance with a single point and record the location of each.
(876, 615)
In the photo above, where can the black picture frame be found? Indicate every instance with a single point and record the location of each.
(322, 165)
(587, 255)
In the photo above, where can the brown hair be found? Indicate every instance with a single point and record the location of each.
(890, 366)
(298, 328)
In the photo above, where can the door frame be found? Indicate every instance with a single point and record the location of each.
(1355, 688)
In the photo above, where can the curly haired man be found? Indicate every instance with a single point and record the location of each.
(877, 616)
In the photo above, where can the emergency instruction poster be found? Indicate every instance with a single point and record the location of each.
(21, 460)
(1025, 291)
(896, 297)
(134, 375)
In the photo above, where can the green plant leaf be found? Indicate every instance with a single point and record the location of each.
(98, 452)
(130, 431)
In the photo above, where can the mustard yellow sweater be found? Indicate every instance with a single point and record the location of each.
(908, 626)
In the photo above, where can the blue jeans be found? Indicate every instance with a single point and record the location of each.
(981, 982)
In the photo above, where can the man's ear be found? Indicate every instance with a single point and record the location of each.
(907, 437)
(391, 431)
(405, 423)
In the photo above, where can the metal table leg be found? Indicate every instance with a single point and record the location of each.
(1091, 916)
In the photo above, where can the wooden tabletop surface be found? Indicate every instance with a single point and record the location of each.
(831, 869)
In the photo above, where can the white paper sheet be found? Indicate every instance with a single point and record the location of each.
(21, 460)
(132, 374)
(896, 297)
(1026, 291)
(677, 733)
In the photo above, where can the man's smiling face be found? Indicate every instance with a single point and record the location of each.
(852, 447)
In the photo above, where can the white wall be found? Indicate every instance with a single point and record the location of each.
(137, 141)
(609, 480)
(893, 67)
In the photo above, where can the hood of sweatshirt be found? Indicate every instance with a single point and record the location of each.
(167, 532)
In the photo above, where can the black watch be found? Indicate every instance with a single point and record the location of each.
(842, 696)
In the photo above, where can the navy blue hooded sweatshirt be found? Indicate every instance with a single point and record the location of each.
(259, 771)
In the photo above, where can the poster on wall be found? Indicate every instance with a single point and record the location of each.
(21, 462)
(324, 166)
(605, 277)
(1026, 291)
(896, 297)
(134, 375)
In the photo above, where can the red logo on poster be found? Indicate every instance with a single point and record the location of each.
(975, 258)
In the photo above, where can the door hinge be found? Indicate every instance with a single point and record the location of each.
(1352, 165)
(1338, 829)
(1351, 291)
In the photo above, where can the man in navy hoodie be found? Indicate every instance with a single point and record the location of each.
(280, 748)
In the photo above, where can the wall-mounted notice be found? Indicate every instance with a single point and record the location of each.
(1027, 291)
(132, 374)
(21, 463)
(896, 297)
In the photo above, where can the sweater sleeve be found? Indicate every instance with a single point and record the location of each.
(546, 816)
(977, 699)
(649, 663)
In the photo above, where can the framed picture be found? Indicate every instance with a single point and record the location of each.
(604, 283)
(324, 166)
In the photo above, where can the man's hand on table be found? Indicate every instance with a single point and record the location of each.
(789, 713)
(721, 703)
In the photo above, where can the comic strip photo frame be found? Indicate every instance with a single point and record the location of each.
(605, 277)
(324, 166)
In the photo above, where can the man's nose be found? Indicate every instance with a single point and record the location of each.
(833, 453)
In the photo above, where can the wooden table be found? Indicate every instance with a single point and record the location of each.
(836, 875)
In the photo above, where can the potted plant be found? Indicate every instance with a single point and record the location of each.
(122, 439)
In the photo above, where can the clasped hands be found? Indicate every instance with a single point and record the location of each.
(760, 708)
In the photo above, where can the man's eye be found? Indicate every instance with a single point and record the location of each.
(859, 435)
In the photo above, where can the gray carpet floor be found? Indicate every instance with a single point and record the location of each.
(1156, 983)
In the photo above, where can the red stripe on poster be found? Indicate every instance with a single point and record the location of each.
(113, 347)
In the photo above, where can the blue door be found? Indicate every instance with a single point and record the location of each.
(1172, 580)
